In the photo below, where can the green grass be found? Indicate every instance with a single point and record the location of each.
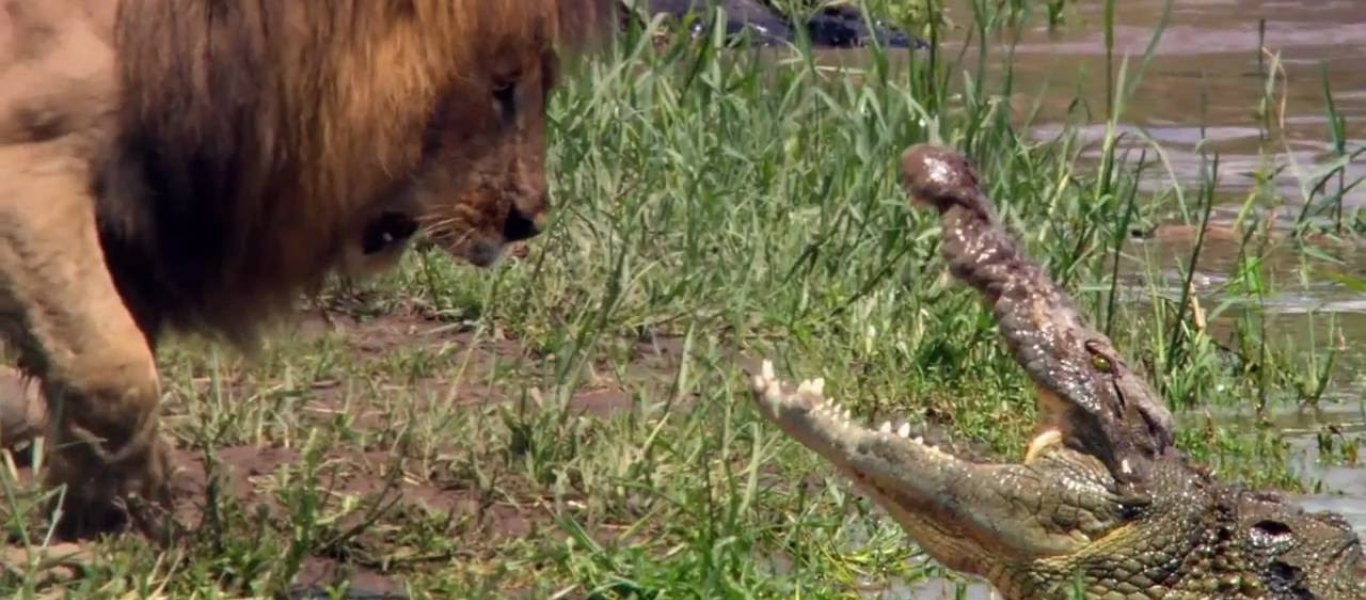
(713, 208)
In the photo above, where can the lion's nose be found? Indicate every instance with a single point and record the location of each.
(520, 226)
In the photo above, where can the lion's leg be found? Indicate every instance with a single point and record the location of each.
(59, 306)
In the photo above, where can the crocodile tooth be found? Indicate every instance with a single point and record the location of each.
(767, 369)
(1125, 468)
(772, 390)
(904, 430)
(818, 385)
(917, 439)
(848, 414)
(886, 427)
(1041, 442)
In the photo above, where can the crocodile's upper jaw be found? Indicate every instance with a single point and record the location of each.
(970, 516)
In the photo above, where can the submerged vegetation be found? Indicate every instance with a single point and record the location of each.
(574, 423)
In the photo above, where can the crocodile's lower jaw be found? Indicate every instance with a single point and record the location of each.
(776, 404)
(821, 423)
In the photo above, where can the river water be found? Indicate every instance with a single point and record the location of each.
(1200, 95)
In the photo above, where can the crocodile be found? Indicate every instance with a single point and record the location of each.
(763, 24)
(1102, 505)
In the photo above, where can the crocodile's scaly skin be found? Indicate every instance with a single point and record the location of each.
(1103, 503)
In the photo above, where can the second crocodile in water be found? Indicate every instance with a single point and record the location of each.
(1102, 503)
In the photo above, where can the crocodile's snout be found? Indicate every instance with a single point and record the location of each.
(942, 178)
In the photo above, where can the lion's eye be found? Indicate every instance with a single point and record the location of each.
(505, 95)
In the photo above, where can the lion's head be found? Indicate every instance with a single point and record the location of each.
(480, 182)
(262, 143)
(500, 192)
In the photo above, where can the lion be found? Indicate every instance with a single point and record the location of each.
(193, 165)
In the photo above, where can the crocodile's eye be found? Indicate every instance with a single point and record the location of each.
(1102, 364)
(1099, 360)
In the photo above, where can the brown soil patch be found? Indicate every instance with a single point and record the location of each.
(654, 360)
(601, 402)
(244, 473)
(320, 574)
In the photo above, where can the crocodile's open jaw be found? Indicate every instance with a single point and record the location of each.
(964, 510)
